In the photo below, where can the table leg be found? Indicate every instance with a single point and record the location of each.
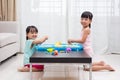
(78, 72)
(65, 73)
(30, 71)
(90, 72)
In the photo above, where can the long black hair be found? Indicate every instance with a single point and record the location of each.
(87, 14)
(31, 29)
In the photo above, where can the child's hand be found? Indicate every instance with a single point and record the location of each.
(69, 41)
(46, 37)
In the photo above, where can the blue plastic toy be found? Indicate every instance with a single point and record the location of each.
(60, 48)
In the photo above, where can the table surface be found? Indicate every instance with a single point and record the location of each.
(72, 57)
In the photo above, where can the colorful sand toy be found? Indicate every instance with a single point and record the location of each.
(60, 48)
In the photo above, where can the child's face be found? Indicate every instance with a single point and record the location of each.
(32, 34)
(85, 22)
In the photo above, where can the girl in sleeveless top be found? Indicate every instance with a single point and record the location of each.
(85, 39)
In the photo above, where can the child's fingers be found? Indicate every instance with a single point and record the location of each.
(69, 41)
(46, 37)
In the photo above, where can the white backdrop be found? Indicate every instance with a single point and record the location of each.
(48, 19)
(60, 21)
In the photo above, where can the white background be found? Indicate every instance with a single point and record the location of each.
(60, 20)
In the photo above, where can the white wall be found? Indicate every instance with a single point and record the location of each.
(114, 34)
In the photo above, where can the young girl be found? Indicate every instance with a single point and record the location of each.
(85, 39)
(31, 42)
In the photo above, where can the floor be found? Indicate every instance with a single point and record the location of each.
(8, 70)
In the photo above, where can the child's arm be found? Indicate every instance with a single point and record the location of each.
(83, 39)
(40, 40)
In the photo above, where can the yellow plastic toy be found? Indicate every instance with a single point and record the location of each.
(58, 44)
(50, 50)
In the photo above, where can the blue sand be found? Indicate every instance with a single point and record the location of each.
(62, 47)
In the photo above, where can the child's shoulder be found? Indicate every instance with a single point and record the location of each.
(86, 30)
(29, 41)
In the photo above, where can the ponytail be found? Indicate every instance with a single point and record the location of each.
(89, 25)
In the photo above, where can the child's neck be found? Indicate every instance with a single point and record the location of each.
(85, 27)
